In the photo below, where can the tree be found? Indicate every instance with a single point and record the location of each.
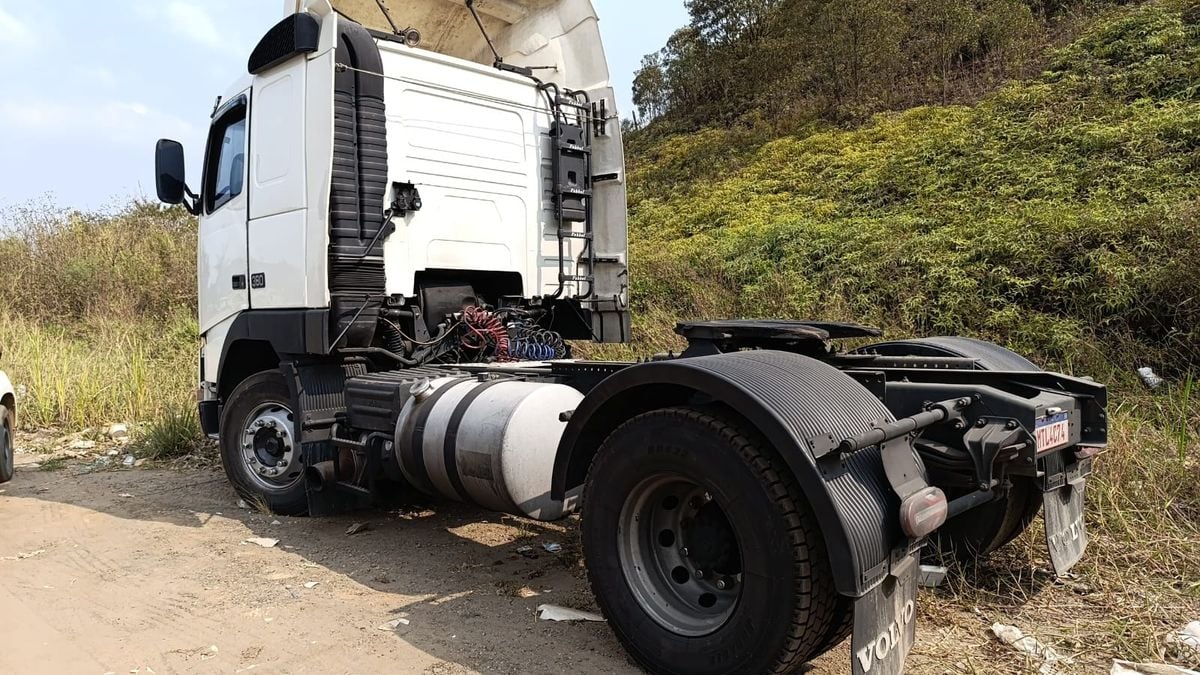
(857, 46)
(942, 30)
(1008, 32)
(651, 95)
(727, 21)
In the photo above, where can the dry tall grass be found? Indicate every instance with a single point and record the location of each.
(96, 315)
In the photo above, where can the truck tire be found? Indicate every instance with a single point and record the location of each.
(702, 551)
(260, 454)
(6, 444)
(984, 529)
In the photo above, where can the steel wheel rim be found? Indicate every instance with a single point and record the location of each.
(670, 530)
(269, 449)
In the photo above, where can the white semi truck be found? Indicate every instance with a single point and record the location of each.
(407, 214)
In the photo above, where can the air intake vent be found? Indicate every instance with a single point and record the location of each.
(297, 34)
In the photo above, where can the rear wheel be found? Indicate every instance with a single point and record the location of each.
(259, 450)
(985, 528)
(702, 552)
(6, 444)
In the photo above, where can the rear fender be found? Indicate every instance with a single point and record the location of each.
(789, 399)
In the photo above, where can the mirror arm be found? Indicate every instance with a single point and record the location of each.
(192, 206)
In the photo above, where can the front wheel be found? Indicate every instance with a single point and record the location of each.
(6, 444)
(259, 449)
(702, 552)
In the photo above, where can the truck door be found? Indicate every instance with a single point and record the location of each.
(223, 274)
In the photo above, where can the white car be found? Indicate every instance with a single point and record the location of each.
(8, 422)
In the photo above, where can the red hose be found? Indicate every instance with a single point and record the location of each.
(488, 328)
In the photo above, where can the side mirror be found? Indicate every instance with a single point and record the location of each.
(171, 172)
(171, 176)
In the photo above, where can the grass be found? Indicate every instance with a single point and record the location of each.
(98, 372)
(174, 432)
(53, 464)
(97, 320)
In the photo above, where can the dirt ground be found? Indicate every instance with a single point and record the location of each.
(147, 570)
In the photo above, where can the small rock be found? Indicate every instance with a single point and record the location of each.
(111, 453)
(526, 551)
(118, 431)
(242, 504)
(358, 527)
(311, 584)
(394, 624)
(276, 522)
(125, 495)
(552, 547)
(83, 445)
(129, 460)
(264, 542)
(139, 462)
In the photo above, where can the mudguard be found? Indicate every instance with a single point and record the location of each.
(790, 399)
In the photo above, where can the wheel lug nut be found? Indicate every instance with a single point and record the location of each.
(707, 497)
(684, 552)
(721, 585)
(699, 574)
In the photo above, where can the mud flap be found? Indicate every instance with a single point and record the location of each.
(1066, 533)
(885, 622)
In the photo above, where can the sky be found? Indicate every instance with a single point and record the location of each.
(86, 87)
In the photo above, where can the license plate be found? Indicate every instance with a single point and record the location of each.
(1053, 432)
(885, 622)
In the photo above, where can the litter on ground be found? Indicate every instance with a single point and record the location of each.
(557, 613)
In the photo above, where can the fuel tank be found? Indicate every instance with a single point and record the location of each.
(486, 442)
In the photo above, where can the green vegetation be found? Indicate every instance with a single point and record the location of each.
(1058, 216)
(794, 61)
(174, 432)
(96, 314)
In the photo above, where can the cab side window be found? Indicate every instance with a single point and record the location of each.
(225, 169)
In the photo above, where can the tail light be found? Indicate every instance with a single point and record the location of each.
(923, 512)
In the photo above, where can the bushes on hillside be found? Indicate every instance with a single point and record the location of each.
(67, 266)
(1061, 216)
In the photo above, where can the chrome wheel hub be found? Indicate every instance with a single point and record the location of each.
(269, 449)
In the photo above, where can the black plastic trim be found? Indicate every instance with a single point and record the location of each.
(295, 35)
(357, 279)
(290, 332)
(210, 417)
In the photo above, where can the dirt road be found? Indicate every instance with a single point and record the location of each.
(147, 570)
